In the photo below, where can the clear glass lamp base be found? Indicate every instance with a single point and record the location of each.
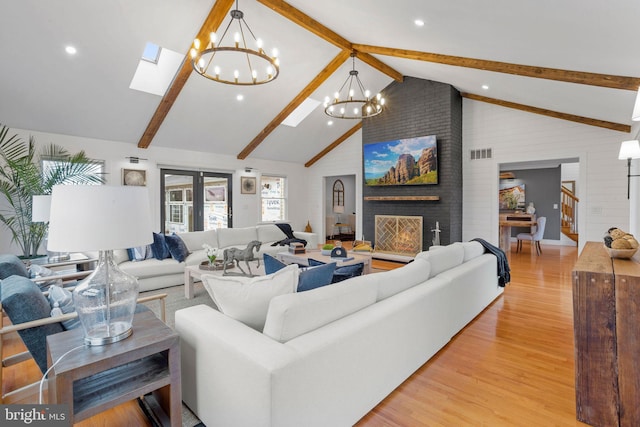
(106, 302)
(100, 335)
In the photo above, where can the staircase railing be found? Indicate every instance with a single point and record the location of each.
(569, 210)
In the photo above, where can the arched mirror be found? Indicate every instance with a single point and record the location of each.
(338, 193)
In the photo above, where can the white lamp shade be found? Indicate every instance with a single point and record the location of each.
(635, 116)
(629, 150)
(99, 217)
(339, 209)
(40, 208)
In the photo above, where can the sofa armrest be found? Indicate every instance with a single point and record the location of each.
(226, 364)
(311, 238)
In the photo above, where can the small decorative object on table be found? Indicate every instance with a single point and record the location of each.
(211, 252)
(620, 244)
(216, 265)
(326, 249)
(339, 252)
(362, 246)
(531, 209)
(296, 248)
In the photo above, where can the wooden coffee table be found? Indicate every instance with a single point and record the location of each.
(352, 258)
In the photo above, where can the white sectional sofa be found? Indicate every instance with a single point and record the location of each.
(328, 356)
(155, 274)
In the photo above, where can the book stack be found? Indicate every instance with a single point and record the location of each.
(296, 248)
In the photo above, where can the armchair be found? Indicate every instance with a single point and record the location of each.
(29, 312)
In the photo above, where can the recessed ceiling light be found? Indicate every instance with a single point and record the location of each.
(485, 87)
(419, 23)
(330, 122)
(71, 50)
(240, 97)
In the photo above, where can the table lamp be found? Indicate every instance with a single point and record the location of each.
(629, 150)
(41, 212)
(102, 218)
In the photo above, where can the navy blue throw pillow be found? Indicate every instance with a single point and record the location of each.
(159, 247)
(347, 272)
(177, 248)
(315, 277)
(271, 264)
(344, 272)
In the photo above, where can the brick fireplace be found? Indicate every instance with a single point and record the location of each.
(419, 108)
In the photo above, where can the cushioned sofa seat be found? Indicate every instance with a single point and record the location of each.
(322, 361)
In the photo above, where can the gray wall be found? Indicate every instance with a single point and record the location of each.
(415, 108)
(542, 187)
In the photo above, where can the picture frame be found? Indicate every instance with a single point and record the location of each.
(248, 185)
(135, 177)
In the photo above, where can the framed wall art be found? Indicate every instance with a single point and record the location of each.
(248, 185)
(134, 177)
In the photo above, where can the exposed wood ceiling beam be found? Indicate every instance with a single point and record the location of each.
(550, 113)
(310, 24)
(592, 79)
(214, 19)
(334, 144)
(304, 94)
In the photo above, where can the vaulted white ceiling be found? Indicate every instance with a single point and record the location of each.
(44, 89)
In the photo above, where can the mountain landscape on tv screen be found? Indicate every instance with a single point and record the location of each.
(402, 162)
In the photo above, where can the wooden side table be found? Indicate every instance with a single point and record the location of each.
(93, 379)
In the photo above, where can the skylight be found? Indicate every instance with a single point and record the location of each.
(301, 113)
(151, 52)
(156, 69)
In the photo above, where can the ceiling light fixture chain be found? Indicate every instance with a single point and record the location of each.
(345, 104)
(223, 64)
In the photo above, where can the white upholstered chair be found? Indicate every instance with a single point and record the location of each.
(535, 237)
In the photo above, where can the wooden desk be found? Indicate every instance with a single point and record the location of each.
(508, 220)
(606, 297)
(93, 379)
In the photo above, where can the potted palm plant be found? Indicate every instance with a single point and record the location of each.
(23, 176)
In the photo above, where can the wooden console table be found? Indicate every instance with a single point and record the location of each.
(508, 220)
(93, 379)
(606, 314)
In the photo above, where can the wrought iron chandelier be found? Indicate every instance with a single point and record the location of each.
(345, 104)
(236, 64)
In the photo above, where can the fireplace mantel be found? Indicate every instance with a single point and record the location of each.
(401, 198)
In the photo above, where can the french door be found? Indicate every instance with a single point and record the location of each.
(195, 200)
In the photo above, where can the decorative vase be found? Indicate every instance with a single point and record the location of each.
(308, 228)
(531, 209)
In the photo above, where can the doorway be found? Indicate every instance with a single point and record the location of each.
(195, 200)
(340, 207)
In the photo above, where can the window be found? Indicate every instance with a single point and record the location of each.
(79, 173)
(175, 213)
(274, 198)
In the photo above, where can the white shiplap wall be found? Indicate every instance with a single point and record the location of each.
(516, 136)
(345, 159)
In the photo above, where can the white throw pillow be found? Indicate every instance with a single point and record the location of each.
(247, 299)
(294, 315)
(443, 258)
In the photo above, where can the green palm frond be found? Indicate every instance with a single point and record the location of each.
(22, 177)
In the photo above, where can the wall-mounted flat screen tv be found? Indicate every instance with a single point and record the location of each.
(410, 161)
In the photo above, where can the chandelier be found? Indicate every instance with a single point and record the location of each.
(346, 105)
(236, 64)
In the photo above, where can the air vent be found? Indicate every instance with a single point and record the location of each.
(481, 153)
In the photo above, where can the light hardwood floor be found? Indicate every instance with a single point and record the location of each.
(512, 366)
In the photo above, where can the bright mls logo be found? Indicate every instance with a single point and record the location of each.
(34, 415)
